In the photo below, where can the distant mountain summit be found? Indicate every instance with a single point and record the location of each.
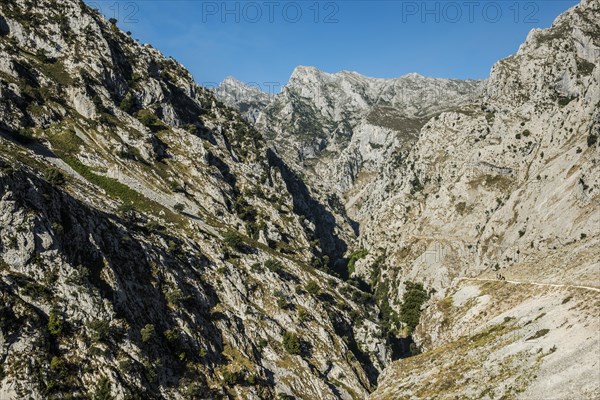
(248, 99)
(340, 128)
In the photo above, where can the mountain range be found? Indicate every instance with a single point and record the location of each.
(346, 238)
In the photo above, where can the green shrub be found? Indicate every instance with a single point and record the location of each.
(99, 330)
(58, 368)
(313, 288)
(563, 101)
(55, 323)
(234, 241)
(171, 335)
(102, 391)
(354, 257)
(416, 185)
(174, 297)
(154, 226)
(147, 333)
(274, 266)
(538, 334)
(127, 104)
(291, 343)
(232, 378)
(179, 207)
(303, 314)
(414, 297)
(55, 176)
(147, 118)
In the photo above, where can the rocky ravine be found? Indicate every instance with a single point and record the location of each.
(151, 245)
(509, 186)
(505, 182)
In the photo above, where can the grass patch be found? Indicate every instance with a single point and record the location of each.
(538, 334)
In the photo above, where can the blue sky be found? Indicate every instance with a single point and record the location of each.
(263, 41)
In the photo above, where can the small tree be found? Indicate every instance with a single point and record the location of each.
(127, 104)
(234, 241)
(58, 368)
(179, 207)
(55, 177)
(291, 343)
(274, 266)
(313, 288)
(99, 330)
(147, 118)
(147, 333)
(55, 323)
(413, 299)
(103, 390)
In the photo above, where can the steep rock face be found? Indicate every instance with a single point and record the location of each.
(486, 181)
(150, 245)
(509, 187)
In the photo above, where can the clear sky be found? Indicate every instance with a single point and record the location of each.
(263, 41)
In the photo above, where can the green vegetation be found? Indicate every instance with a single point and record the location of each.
(291, 343)
(354, 257)
(313, 288)
(55, 176)
(412, 301)
(58, 368)
(102, 391)
(55, 323)
(149, 119)
(232, 378)
(99, 330)
(174, 297)
(147, 333)
(538, 334)
(416, 185)
(563, 100)
(179, 207)
(274, 266)
(127, 104)
(233, 240)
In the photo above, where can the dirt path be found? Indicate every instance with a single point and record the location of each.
(595, 289)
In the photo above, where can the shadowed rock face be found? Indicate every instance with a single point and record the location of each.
(4, 28)
(150, 246)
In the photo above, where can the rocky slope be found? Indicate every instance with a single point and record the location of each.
(151, 245)
(507, 186)
(504, 181)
